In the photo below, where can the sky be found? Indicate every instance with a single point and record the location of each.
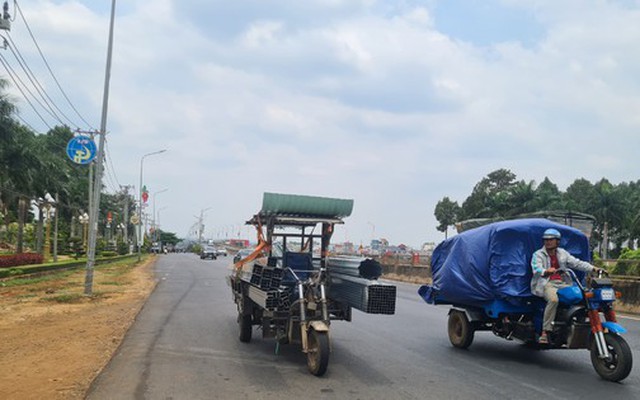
(392, 103)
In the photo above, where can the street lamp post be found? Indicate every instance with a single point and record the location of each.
(48, 203)
(140, 237)
(84, 221)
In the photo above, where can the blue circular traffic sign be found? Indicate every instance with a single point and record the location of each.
(81, 149)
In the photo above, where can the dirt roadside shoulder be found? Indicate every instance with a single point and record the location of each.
(54, 341)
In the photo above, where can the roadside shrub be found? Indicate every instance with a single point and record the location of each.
(75, 246)
(196, 248)
(101, 245)
(13, 260)
(596, 260)
(628, 263)
(8, 272)
(109, 253)
(123, 247)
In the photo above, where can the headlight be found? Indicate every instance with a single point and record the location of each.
(607, 294)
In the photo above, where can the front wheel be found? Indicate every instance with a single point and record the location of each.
(317, 352)
(618, 365)
(460, 330)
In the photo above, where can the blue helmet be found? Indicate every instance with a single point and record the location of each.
(551, 233)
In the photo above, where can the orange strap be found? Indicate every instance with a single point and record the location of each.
(263, 246)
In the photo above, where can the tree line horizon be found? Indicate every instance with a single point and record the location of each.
(500, 195)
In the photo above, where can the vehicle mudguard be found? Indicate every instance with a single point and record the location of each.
(319, 326)
(472, 314)
(614, 327)
(567, 314)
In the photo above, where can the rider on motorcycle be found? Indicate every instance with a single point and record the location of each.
(547, 279)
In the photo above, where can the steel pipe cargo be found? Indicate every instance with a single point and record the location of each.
(355, 266)
(365, 295)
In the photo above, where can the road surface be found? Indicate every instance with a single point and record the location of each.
(184, 345)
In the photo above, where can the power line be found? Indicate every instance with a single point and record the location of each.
(24, 122)
(38, 85)
(26, 70)
(13, 78)
(109, 181)
(111, 162)
(49, 68)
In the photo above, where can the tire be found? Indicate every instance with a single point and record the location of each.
(318, 352)
(619, 365)
(460, 330)
(244, 321)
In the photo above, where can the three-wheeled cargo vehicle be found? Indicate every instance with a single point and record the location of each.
(291, 288)
(484, 274)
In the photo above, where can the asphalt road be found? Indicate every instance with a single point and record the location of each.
(184, 345)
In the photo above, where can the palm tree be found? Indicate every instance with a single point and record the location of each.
(609, 209)
(21, 166)
(7, 142)
(548, 196)
(521, 198)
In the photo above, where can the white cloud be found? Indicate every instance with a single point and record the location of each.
(364, 100)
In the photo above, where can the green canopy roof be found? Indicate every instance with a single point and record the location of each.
(276, 204)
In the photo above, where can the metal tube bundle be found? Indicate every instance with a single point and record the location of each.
(369, 296)
(358, 267)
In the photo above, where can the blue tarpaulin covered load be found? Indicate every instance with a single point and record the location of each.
(493, 261)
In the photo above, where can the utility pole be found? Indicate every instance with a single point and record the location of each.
(97, 185)
(125, 189)
(201, 225)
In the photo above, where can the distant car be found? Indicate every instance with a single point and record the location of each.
(208, 252)
(221, 251)
(241, 254)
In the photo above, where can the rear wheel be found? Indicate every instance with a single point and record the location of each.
(618, 365)
(460, 329)
(317, 352)
(244, 321)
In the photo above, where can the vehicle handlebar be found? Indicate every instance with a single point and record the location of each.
(573, 276)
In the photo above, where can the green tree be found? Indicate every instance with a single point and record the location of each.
(633, 219)
(608, 207)
(169, 238)
(629, 229)
(22, 166)
(489, 196)
(578, 196)
(446, 213)
(521, 198)
(547, 196)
